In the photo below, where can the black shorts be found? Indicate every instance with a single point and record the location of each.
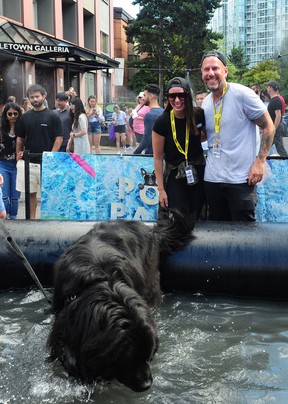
(120, 129)
(138, 137)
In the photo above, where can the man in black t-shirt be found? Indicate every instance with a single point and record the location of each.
(275, 111)
(39, 130)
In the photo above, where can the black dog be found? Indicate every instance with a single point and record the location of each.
(105, 286)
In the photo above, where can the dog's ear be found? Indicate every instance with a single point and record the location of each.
(143, 172)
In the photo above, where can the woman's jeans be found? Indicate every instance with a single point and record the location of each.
(10, 194)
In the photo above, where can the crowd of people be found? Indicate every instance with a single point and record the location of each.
(211, 150)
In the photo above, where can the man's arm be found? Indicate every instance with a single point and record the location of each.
(278, 118)
(268, 130)
(57, 143)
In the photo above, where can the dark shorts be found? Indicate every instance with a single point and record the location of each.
(231, 202)
(94, 127)
(138, 137)
(120, 128)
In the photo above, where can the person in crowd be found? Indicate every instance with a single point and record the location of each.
(95, 119)
(63, 111)
(130, 135)
(129, 132)
(38, 130)
(232, 168)
(265, 97)
(165, 102)
(11, 98)
(275, 111)
(176, 140)
(26, 106)
(138, 117)
(79, 133)
(2, 206)
(201, 94)
(10, 116)
(71, 93)
(119, 120)
(151, 96)
(256, 88)
(283, 103)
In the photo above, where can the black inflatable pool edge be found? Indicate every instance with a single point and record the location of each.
(241, 259)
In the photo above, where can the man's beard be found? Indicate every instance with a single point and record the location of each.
(37, 104)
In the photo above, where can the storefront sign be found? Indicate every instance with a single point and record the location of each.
(33, 47)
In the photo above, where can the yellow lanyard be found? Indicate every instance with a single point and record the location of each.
(218, 115)
(174, 134)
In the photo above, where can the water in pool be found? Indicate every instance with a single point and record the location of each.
(212, 350)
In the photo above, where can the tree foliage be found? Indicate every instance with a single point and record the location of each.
(262, 73)
(239, 61)
(172, 34)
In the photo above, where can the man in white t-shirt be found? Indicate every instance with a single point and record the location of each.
(232, 112)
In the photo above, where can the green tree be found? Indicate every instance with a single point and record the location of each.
(262, 73)
(240, 63)
(172, 36)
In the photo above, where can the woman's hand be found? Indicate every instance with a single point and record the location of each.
(163, 199)
(20, 155)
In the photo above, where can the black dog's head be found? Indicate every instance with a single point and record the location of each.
(107, 332)
(149, 179)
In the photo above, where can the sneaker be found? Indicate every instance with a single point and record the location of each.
(124, 149)
(118, 152)
(129, 148)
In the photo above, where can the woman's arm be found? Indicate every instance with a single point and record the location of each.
(158, 142)
(82, 125)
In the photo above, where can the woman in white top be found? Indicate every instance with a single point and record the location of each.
(119, 120)
(79, 133)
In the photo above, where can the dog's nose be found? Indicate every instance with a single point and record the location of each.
(143, 386)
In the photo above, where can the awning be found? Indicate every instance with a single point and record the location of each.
(31, 45)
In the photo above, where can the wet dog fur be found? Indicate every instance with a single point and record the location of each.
(106, 286)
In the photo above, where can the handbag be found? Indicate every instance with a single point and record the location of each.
(112, 132)
(71, 145)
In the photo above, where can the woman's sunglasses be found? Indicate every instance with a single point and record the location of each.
(12, 113)
(173, 96)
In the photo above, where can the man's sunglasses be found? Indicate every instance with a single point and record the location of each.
(12, 113)
(173, 96)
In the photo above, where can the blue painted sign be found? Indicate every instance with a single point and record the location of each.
(98, 187)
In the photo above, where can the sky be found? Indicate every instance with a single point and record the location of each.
(127, 6)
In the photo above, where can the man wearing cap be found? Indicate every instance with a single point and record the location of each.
(151, 94)
(232, 112)
(275, 110)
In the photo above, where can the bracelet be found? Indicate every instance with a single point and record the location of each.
(74, 134)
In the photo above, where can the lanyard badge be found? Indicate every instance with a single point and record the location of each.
(188, 168)
(217, 123)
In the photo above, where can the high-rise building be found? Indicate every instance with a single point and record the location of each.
(58, 44)
(259, 27)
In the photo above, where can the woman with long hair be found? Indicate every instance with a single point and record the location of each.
(79, 133)
(95, 118)
(10, 115)
(176, 139)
